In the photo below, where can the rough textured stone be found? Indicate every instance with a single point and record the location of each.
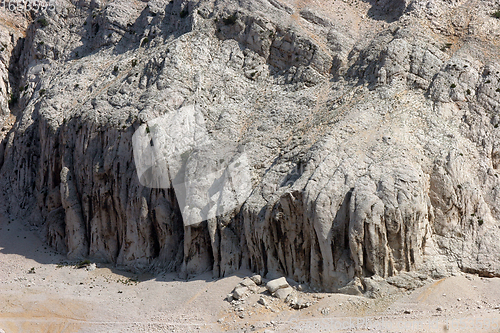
(298, 304)
(283, 293)
(372, 149)
(355, 287)
(263, 301)
(375, 286)
(239, 292)
(257, 279)
(273, 285)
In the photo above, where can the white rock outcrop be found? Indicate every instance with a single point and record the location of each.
(371, 134)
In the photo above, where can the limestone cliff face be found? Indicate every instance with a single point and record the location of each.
(371, 131)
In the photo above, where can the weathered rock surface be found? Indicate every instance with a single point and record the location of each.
(283, 292)
(274, 285)
(371, 132)
(257, 279)
(239, 292)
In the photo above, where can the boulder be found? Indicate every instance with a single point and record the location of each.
(355, 287)
(257, 279)
(247, 282)
(283, 293)
(263, 301)
(239, 292)
(276, 284)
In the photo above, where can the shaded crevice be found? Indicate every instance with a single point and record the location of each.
(386, 10)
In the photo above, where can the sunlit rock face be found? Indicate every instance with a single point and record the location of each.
(327, 142)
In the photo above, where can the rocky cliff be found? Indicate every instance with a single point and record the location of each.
(370, 129)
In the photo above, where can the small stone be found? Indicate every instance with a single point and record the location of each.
(247, 282)
(263, 301)
(239, 292)
(229, 297)
(355, 287)
(276, 284)
(91, 267)
(292, 298)
(439, 308)
(300, 304)
(325, 311)
(406, 311)
(257, 279)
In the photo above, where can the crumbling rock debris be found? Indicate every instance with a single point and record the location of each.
(355, 287)
(408, 280)
(298, 304)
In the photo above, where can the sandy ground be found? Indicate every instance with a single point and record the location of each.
(41, 291)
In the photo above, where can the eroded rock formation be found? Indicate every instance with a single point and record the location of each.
(371, 131)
